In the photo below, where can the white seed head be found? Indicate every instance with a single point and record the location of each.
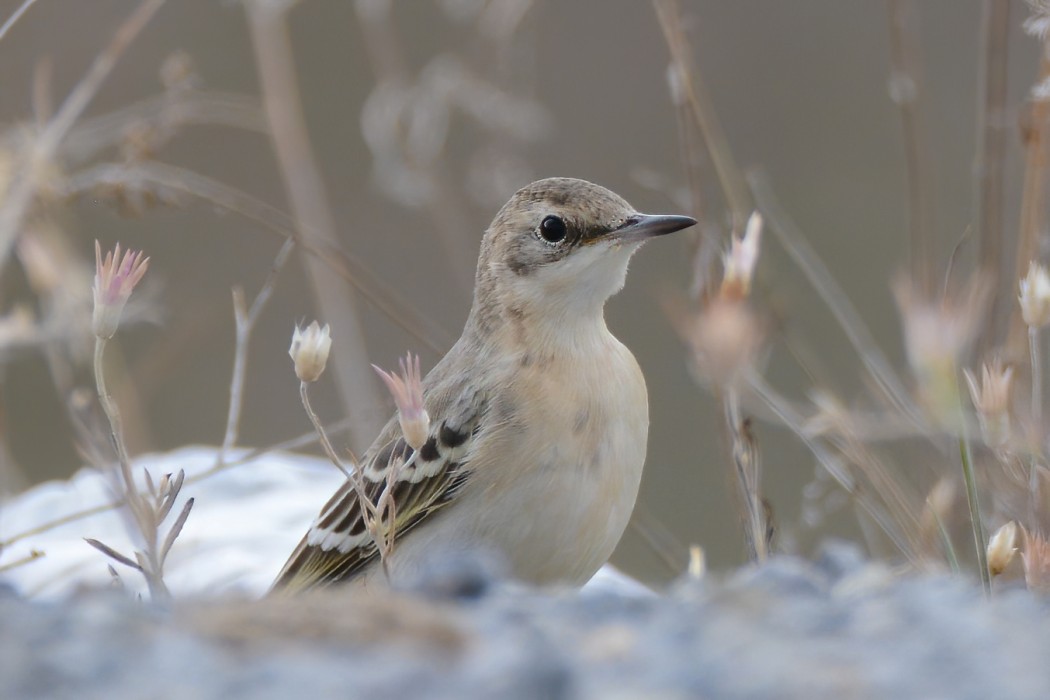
(309, 351)
(1035, 296)
(1001, 548)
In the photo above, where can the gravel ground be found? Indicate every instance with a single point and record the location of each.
(836, 628)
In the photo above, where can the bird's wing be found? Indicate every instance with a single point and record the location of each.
(338, 545)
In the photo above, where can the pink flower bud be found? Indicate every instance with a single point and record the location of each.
(115, 278)
(407, 390)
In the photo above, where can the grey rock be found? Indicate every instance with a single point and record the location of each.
(789, 629)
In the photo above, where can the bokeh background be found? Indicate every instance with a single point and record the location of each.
(424, 117)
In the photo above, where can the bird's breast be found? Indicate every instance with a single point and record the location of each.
(573, 448)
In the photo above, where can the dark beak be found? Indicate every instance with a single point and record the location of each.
(642, 227)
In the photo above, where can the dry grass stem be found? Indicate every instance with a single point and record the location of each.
(906, 91)
(15, 16)
(309, 203)
(326, 443)
(747, 464)
(33, 555)
(992, 139)
(1036, 142)
(976, 522)
(807, 260)
(687, 81)
(867, 500)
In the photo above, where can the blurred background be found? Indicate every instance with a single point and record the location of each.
(423, 118)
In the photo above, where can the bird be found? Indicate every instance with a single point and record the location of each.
(538, 415)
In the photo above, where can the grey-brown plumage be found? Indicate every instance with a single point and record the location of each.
(539, 415)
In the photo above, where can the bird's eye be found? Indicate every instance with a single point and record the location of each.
(552, 229)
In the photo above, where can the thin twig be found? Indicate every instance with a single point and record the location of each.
(244, 322)
(59, 522)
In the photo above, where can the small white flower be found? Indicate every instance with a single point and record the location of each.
(407, 391)
(309, 351)
(1035, 296)
(115, 278)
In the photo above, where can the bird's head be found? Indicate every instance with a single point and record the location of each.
(562, 244)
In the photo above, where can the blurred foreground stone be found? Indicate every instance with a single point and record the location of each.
(838, 628)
